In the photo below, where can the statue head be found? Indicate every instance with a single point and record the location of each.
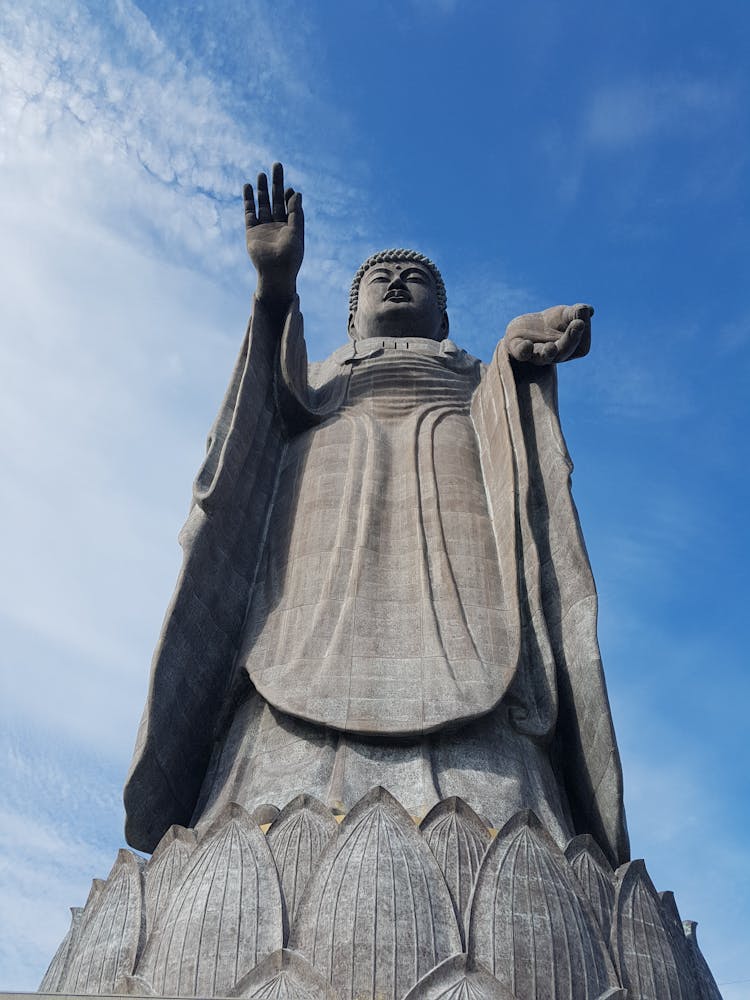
(398, 293)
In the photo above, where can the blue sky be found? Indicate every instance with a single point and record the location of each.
(541, 153)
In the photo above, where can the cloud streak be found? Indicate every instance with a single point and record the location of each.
(123, 149)
(630, 113)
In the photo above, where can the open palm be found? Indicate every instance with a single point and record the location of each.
(275, 233)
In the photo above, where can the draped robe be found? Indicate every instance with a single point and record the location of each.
(384, 582)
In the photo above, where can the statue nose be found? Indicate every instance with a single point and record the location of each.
(397, 282)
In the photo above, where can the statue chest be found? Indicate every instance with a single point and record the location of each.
(395, 383)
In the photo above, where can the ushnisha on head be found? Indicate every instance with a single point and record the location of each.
(398, 293)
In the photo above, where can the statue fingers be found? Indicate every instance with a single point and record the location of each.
(294, 209)
(264, 202)
(581, 310)
(545, 354)
(249, 199)
(520, 348)
(570, 340)
(277, 191)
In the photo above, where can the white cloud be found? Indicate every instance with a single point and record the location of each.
(110, 120)
(58, 830)
(126, 294)
(441, 7)
(481, 307)
(673, 813)
(629, 385)
(631, 122)
(732, 338)
(632, 112)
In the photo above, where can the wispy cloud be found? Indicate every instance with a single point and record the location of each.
(686, 829)
(58, 825)
(152, 148)
(481, 307)
(732, 338)
(126, 295)
(631, 112)
(437, 6)
(131, 107)
(628, 386)
(663, 137)
(123, 148)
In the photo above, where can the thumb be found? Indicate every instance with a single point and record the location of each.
(570, 340)
(581, 310)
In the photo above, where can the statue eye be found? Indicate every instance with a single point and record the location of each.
(378, 277)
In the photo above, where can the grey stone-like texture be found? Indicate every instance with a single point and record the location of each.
(163, 869)
(351, 587)
(377, 914)
(595, 874)
(265, 814)
(384, 583)
(458, 839)
(704, 980)
(641, 947)
(284, 975)
(530, 923)
(53, 977)
(680, 945)
(223, 915)
(459, 978)
(110, 935)
(297, 838)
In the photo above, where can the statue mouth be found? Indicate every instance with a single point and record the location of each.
(397, 295)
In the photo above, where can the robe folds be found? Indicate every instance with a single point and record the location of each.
(383, 564)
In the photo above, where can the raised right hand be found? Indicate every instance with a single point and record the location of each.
(275, 236)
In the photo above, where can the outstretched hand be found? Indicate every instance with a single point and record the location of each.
(554, 335)
(275, 236)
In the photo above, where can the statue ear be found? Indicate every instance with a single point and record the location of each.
(444, 325)
(350, 326)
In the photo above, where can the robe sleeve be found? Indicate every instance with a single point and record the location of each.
(561, 684)
(221, 541)
(301, 404)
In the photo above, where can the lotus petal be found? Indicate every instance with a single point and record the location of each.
(223, 916)
(595, 874)
(163, 869)
(377, 914)
(458, 839)
(459, 978)
(708, 990)
(680, 947)
(530, 923)
(640, 943)
(297, 838)
(284, 975)
(54, 974)
(106, 947)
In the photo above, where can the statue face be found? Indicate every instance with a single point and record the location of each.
(398, 300)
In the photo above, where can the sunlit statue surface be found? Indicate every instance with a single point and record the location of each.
(384, 580)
